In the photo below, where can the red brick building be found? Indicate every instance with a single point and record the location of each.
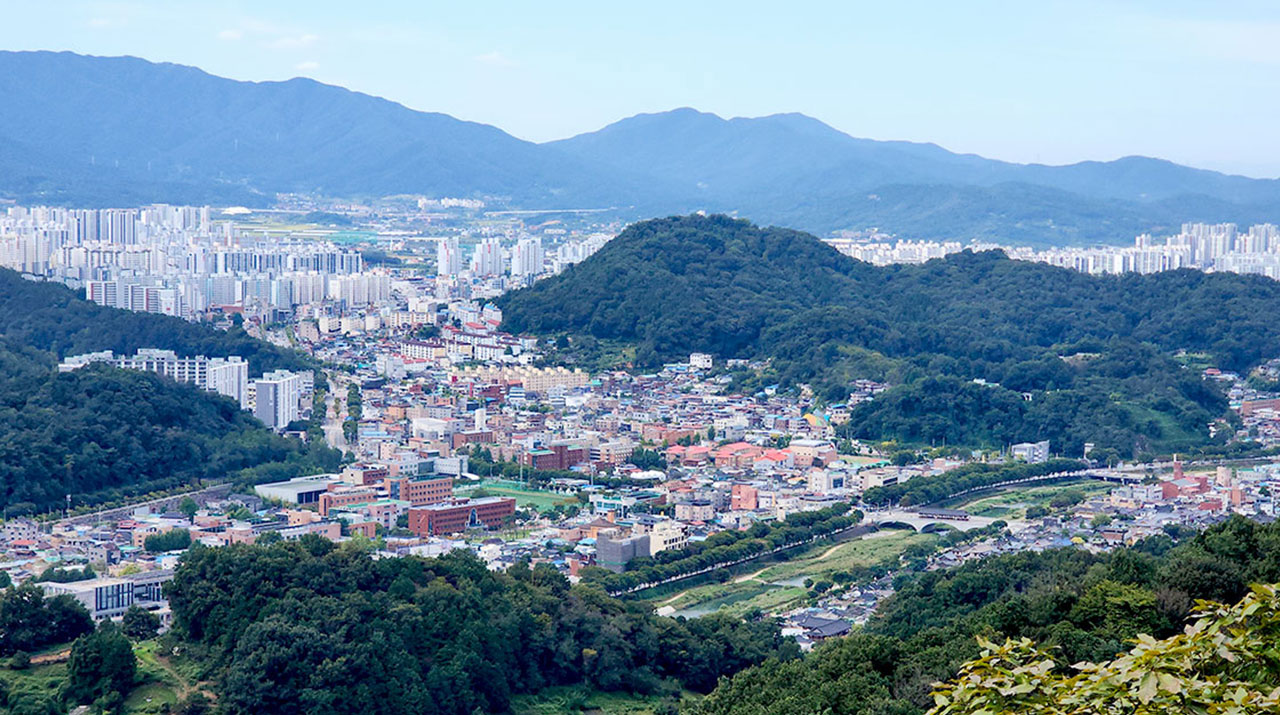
(340, 495)
(557, 456)
(472, 437)
(420, 492)
(458, 515)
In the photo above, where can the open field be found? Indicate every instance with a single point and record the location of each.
(779, 586)
(537, 499)
(829, 559)
(1013, 503)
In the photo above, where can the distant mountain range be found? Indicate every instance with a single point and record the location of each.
(121, 130)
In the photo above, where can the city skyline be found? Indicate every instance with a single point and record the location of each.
(1177, 81)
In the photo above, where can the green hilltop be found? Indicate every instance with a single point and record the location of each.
(1056, 354)
(101, 433)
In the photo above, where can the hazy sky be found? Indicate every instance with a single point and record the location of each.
(1028, 80)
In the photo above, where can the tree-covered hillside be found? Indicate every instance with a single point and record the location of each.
(100, 433)
(307, 627)
(55, 319)
(311, 627)
(1082, 606)
(1093, 354)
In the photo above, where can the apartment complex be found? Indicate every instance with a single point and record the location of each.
(226, 376)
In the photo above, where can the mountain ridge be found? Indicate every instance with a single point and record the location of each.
(174, 133)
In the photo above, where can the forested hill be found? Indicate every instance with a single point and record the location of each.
(100, 433)
(1085, 607)
(55, 319)
(1095, 353)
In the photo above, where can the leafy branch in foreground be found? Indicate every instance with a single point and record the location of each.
(1227, 662)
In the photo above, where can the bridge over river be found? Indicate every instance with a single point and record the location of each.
(925, 517)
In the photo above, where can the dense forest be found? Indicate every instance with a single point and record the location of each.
(309, 627)
(1080, 606)
(100, 433)
(1060, 355)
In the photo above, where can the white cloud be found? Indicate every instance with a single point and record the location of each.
(292, 42)
(100, 23)
(495, 59)
(308, 65)
(268, 35)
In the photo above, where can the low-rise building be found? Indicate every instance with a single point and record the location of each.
(101, 597)
(458, 515)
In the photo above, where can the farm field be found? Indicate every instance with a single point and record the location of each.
(780, 586)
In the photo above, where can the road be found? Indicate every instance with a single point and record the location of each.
(217, 491)
(333, 416)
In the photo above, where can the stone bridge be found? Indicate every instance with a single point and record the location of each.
(923, 518)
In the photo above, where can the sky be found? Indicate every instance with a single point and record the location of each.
(1031, 80)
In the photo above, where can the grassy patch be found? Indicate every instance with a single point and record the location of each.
(774, 600)
(826, 559)
(37, 683)
(1014, 502)
(153, 698)
(1194, 361)
(760, 589)
(1173, 436)
(537, 499)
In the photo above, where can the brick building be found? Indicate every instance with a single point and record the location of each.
(420, 492)
(345, 496)
(458, 515)
(556, 456)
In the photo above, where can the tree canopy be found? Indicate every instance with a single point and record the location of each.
(1081, 607)
(1225, 662)
(99, 433)
(305, 627)
(1062, 355)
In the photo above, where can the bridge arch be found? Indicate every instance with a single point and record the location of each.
(902, 525)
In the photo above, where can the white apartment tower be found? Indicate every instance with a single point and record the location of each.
(276, 398)
(448, 257)
(526, 259)
(487, 259)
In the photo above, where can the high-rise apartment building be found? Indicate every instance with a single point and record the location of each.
(449, 257)
(226, 376)
(277, 395)
(526, 259)
(487, 259)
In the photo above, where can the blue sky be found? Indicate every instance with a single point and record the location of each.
(1036, 80)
